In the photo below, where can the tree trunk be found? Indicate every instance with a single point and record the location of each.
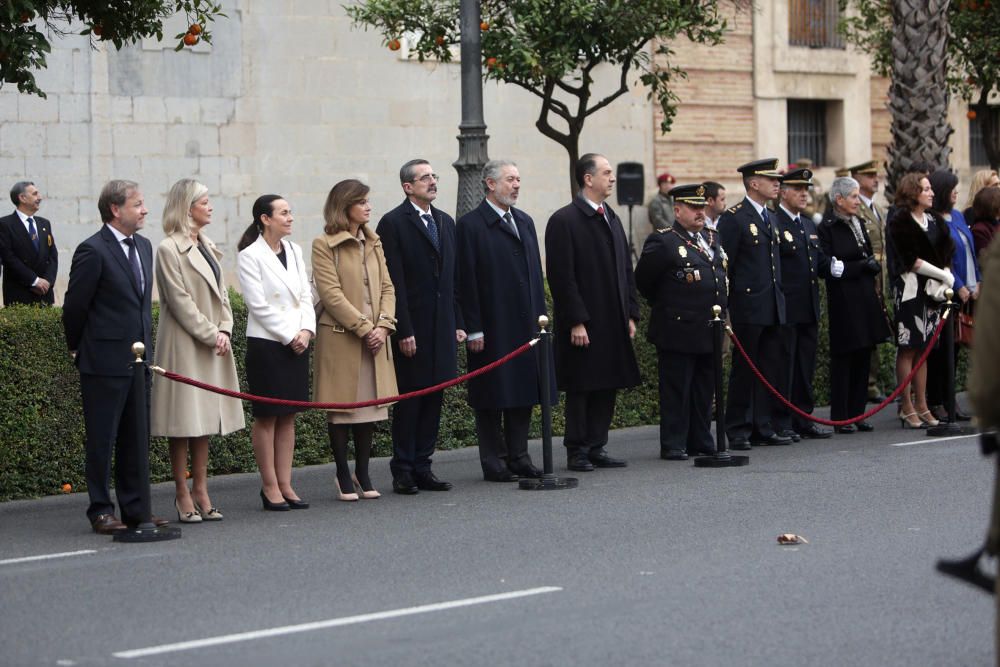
(572, 147)
(918, 94)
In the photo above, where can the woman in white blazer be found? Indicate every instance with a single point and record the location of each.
(280, 324)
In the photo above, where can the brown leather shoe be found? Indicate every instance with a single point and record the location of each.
(107, 524)
(159, 521)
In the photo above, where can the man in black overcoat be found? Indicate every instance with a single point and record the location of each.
(107, 308)
(682, 274)
(27, 250)
(419, 245)
(596, 310)
(802, 264)
(749, 236)
(502, 293)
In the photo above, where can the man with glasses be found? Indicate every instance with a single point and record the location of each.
(27, 250)
(419, 245)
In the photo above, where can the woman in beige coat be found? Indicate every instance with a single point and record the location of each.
(192, 340)
(352, 362)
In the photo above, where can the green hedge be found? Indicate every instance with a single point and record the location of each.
(41, 420)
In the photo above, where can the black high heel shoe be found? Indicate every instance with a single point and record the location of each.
(298, 504)
(273, 507)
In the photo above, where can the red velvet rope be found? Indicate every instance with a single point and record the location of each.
(347, 406)
(844, 422)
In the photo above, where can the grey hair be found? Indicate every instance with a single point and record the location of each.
(114, 193)
(842, 186)
(18, 190)
(492, 170)
(408, 171)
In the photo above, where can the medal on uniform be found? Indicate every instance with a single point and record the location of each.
(690, 277)
(682, 251)
(753, 229)
(788, 236)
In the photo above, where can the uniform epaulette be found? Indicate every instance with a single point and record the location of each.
(733, 209)
(662, 231)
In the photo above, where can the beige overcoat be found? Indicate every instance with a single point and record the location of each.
(342, 326)
(194, 308)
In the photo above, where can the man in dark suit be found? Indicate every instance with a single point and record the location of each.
(756, 306)
(502, 294)
(419, 245)
(596, 310)
(682, 274)
(107, 308)
(802, 263)
(27, 250)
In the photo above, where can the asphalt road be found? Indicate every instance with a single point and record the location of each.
(657, 564)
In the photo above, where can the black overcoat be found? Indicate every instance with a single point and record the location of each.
(755, 295)
(802, 264)
(425, 283)
(681, 284)
(502, 293)
(22, 263)
(589, 268)
(857, 314)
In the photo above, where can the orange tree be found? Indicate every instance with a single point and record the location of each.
(551, 48)
(26, 26)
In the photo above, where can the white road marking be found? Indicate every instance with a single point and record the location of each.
(64, 554)
(330, 623)
(928, 440)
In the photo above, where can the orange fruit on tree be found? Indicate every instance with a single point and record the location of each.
(439, 40)
(971, 114)
(484, 26)
(66, 488)
(195, 29)
(491, 62)
(190, 40)
(394, 45)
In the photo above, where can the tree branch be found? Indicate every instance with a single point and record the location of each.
(622, 89)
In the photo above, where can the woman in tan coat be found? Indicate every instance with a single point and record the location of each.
(352, 362)
(193, 340)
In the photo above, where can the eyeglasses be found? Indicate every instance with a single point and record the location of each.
(426, 178)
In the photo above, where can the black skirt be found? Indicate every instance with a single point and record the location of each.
(273, 370)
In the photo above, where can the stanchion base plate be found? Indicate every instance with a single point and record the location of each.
(149, 533)
(548, 484)
(717, 462)
(945, 429)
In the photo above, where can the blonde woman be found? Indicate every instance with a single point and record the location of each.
(193, 340)
(985, 178)
(353, 363)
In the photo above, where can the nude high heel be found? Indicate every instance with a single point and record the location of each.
(346, 497)
(368, 495)
(928, 418)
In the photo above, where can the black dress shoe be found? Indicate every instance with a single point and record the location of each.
(273, 507)
(702, 452)
(789, 433)
(502, 476)
(579, 462)
(865, 427)
(770, 440)
(600, 459)
(405, 485)
(107, 524)
(298, 504)
(674, 455)
(428, 481)
(527, 470)
(845, 430)
(739, 444)
(815, 432)
(962, 416)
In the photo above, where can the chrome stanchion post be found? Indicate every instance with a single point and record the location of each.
(950, 427)
(146, 530)
(549, 481)
(722, 457)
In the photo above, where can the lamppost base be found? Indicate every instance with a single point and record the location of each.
(949, 429)
(721, 461)
(548, 483)
(147, 532)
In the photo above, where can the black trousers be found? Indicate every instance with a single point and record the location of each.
(115, 417)
(849, 383)
(415, 424)
(937, 374)
(588, 419)
(799, 353)
(503, 439)
(687, 385)
(749, 406)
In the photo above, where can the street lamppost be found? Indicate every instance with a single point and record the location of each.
(472, 138)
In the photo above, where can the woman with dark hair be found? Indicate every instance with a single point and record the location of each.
(280, 323)
(858, 321)
(965, 269)
(984, 219)
(353, 363)
(919, 260)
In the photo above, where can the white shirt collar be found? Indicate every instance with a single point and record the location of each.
(421, 211)
(791, 215)
(865, 200)
(592, 204)
(757, 207)
(24, 218)
(118, 235)
(499, 211)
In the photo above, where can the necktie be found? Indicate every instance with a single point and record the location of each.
(432, 229)
(33, 233)
(133, 260)
(601, 212)
(703, 244)
(875, 211)
(510, 223)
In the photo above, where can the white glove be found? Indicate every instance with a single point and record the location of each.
(817, 218)
(836, 268)
(941, 275)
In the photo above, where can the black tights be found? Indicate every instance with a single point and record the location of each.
(339, 435)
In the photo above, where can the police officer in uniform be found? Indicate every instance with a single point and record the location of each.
(802, 262)
(874, 216)
(749, 236)
(682, 274)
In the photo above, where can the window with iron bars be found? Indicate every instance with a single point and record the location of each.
(813, 23)
(977, 148)
(807, 131)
